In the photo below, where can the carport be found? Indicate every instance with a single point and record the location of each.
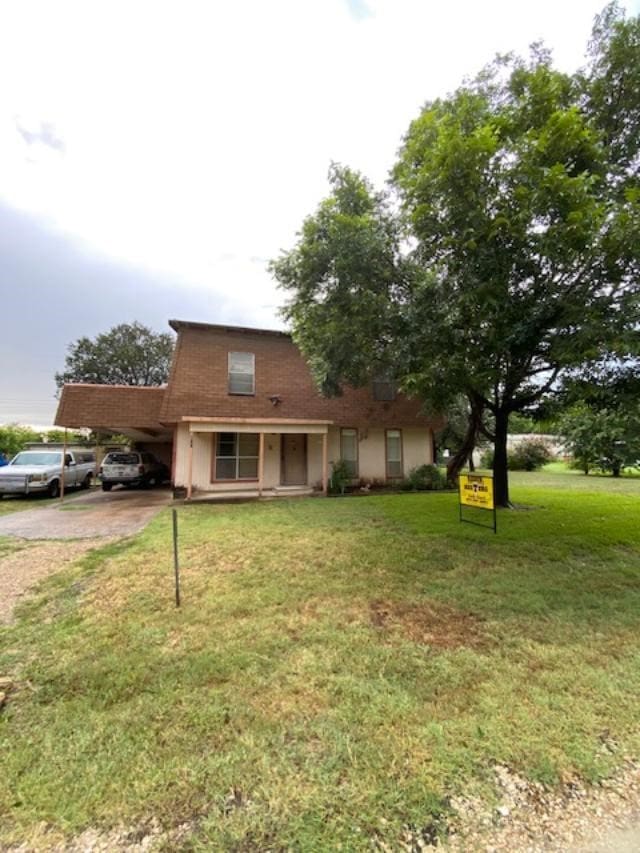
(131, 411)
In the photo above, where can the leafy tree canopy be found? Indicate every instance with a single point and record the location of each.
(14, 437)
(507, 251)
(603, 438)
(128, 354)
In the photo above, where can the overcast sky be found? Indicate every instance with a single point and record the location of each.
(155, 155)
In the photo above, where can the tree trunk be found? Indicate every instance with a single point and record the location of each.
(463, 455)
(472, 466)
(616, 468)
(500, 473)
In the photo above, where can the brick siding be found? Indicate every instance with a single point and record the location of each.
(199, 383)
(198, 387)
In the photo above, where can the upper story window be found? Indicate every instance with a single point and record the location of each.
(384, 389)
(242, 373)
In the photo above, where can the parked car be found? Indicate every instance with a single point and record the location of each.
(40, 471)
(132, 468)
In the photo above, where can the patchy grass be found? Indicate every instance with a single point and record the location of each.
(8, 545)
(15, 504)
(338, 670)
(12, 504)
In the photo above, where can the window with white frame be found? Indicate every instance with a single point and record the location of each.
(242, 373)
(237, 456)
(394, 454)
(349, 450)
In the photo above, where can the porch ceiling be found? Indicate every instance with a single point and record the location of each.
(147, 435)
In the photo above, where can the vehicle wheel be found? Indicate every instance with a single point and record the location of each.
(106, 487)
(54, 489)
(151, 482)
(86, 483)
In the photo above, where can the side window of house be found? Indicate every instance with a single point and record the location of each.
(242, 373)
(236, 456)
(349, 450)
(394, 454)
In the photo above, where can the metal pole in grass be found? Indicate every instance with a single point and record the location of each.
(176, 565)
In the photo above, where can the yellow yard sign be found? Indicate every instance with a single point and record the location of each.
(476, 490)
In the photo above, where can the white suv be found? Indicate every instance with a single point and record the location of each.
(132, 468)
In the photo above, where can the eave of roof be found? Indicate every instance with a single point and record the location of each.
(101, 386)
(177, 325)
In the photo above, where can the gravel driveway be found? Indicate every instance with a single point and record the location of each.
(86, 516)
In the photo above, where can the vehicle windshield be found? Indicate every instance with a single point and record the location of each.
(27, 458)
(122, 459)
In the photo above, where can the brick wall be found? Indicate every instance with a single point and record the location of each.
(199, 382)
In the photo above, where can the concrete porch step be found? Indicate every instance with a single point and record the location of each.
(251, 494)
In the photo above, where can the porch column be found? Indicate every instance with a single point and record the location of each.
(325, 466)
(64, 467)
(190, 467)
(260, 464)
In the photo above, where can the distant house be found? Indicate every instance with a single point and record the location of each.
(241, 413)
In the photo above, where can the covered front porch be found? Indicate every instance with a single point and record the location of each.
(251, 457)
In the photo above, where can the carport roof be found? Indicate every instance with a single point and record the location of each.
(111, 407)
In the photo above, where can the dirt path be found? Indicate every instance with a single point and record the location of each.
(575, 818)
(29, 563)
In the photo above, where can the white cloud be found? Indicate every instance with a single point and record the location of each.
(197, 135)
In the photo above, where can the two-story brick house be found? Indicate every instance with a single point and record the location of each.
(240, 413)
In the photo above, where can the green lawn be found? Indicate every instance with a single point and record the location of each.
(558, 475)
(15, 504)
(338, 670)
(8, 505)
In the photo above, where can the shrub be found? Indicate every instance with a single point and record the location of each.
(425, 478)
(527, 456)
(486, 460)
(340, 477)
(13, 438)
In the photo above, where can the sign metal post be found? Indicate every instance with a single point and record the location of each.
(176, 564)
(476, 491)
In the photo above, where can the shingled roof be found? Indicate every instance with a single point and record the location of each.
(110, 407)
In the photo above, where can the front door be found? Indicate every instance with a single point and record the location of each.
(293, 466)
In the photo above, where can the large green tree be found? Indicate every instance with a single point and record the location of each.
(603, 438)
(514, 255)
(128, 354)
(600, 413)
